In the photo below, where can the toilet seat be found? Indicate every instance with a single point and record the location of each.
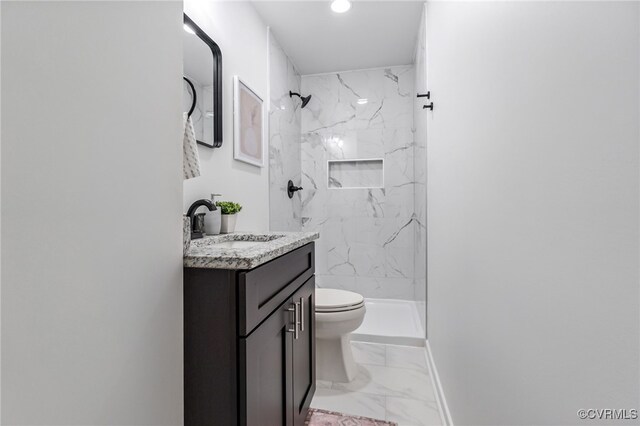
(334, 300)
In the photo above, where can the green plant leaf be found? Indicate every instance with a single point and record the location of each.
(228, 207)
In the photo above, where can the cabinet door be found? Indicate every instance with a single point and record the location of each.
(304, 353)
(266, 372)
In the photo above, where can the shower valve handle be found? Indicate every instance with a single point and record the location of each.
(291, 189)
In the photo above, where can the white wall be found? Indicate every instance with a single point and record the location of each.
(242, 37)
(91, 228)
(533, 192)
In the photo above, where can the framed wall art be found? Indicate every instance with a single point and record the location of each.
(248, 124)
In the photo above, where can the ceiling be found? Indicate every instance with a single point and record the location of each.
(372, 34)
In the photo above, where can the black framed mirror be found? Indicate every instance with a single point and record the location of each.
(202, 84)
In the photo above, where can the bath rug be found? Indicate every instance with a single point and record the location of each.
(318, 417)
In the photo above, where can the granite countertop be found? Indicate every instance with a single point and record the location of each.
(208, 253)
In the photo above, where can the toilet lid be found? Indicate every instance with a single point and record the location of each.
(329, 299)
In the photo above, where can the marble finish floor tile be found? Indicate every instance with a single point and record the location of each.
(406, 357)
(390, 381)
(409, 412)
(324, 384)
(392, 384)
(369, 353)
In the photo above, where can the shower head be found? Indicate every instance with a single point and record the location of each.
(305, 99)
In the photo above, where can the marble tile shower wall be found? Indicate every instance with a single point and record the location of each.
(367, 236)
(284, 141)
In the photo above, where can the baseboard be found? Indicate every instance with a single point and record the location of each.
(437, 388)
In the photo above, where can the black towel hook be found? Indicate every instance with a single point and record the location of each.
(193, 90)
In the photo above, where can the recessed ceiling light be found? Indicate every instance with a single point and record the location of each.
(188, 29)
(362, 101)
(340, 6)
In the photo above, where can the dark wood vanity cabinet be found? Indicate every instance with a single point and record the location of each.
(249, 343)
(278, 368)
(304, 353)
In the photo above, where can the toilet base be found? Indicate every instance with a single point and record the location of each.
(334, 359)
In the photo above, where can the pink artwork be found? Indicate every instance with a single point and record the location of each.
(248, 125)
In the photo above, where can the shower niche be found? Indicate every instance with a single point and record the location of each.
(350, 174)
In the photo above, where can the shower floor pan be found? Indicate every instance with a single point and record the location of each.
(394, 322)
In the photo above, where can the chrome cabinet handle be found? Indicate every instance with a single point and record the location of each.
(302, 314)
(296, 318)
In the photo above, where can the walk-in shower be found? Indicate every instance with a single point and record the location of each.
(354, 151)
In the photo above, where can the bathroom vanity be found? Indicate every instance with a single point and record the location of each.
(249, 329)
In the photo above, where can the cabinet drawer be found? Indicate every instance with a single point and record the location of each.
(261, 290)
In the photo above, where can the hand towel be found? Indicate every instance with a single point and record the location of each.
(190, 157)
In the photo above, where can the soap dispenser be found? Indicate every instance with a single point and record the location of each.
(213, 220)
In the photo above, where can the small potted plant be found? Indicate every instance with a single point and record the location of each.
(229, 211)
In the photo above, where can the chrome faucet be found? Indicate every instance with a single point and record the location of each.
(197, 220)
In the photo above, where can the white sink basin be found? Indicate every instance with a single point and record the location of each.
(237, 244)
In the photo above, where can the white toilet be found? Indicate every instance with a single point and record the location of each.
(338, 313)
